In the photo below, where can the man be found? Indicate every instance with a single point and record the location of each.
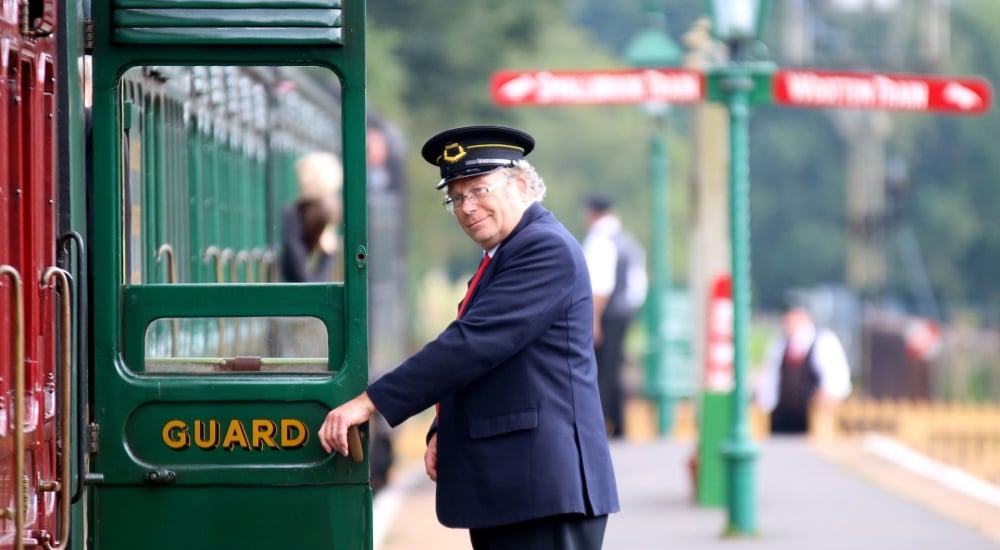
(617, 266)
(518, 448)
(806, 367)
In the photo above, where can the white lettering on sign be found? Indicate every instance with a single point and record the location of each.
(881, 91)
(860, 92)
(590, 88)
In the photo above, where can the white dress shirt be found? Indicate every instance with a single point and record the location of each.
(829, 362)
(602, 260)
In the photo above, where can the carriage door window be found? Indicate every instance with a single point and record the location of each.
(222, 185)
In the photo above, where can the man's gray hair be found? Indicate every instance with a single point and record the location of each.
(536, 185)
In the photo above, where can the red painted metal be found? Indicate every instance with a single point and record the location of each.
(606, 87)
(28, 231)
(719, 336)
(807, 88)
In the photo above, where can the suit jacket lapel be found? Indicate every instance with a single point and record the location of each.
(532, 213)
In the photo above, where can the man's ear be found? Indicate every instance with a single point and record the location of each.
(522, 184)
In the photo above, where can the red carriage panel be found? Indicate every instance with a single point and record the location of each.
(28, 229)
(12, 321)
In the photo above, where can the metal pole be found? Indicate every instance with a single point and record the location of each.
(659, 288)
(739, 451)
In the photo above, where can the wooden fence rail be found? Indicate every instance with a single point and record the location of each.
(964, 435)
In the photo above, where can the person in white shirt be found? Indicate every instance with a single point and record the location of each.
(617, 265)
(806, 367)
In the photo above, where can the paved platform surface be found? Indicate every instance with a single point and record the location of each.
(808, 497)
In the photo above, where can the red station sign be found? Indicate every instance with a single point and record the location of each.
(610, 87)
(806, 88)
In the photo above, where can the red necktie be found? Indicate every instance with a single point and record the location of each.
(472, 284)
(468, 294)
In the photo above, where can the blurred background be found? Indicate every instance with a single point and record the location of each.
(883, 222)
(880, 217)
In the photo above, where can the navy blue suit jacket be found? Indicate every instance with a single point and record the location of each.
(520, 434)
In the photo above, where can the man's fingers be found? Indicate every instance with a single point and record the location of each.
(339, 431)
(324, 438)
(340, 440)
(333, 438)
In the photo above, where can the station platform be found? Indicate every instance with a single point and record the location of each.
(808, 496)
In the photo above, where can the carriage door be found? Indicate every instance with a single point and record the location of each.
(210, 378)
(35, 299)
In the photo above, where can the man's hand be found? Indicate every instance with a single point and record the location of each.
(822, 399)
(431, 458)
(333, 432)
(600, 304)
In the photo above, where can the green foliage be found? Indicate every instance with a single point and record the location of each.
(429, 69)
(386, 74)
(953, 166)
(446, 54)
(762, 333)
(797, 202)
(798, 191)
(614, 23)
(450, 49)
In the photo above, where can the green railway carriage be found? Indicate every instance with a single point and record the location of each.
(166, 384)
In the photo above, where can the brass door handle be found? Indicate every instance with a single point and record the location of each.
(354, 447)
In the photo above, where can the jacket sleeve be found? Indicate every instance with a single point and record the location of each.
(522, 293)
(831, 365)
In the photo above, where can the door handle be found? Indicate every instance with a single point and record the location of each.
(167, 251)
(354, 447)
(18, 366)
(65, 405)
(79, 278)
(160, 477)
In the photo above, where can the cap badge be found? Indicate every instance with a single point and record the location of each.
(453, 152)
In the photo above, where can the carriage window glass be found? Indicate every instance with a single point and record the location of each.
(236, 345)
(233, 175)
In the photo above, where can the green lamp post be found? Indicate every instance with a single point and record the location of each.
(652, 47)
(737, 23)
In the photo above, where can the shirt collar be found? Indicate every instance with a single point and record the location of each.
(803, 338)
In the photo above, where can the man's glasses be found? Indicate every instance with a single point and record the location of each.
(451, 202)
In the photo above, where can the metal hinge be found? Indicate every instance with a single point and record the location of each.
(95, 437)
(88, 36)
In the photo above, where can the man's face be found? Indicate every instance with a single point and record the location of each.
(795, 319)
(592, 216)
(488, 218)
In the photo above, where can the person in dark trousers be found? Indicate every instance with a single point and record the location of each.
(618, 277)
(518, 447)
(309, 241)
(806, 368)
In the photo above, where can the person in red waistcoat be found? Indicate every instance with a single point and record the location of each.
(806, 367)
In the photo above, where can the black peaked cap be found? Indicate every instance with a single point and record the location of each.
(474, 150)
